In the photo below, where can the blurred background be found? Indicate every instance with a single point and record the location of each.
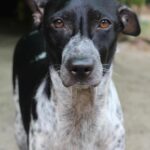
(131, 73)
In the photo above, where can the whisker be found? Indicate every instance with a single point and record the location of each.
(105, 68)
(106, 65)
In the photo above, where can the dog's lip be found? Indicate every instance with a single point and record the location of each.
(71, 81)
(69, 84)
(80, 84)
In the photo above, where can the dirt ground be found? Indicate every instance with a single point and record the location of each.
(132, 78)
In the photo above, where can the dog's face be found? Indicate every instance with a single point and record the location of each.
(82, 36)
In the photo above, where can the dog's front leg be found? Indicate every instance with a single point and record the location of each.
(38, 138)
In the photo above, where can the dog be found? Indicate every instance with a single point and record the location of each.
(62, 76)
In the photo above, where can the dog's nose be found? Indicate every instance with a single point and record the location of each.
(81, 68)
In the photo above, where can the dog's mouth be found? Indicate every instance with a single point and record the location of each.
(80, 84)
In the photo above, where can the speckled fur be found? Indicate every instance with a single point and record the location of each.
(77, 118)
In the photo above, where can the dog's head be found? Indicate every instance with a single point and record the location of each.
(82, 35)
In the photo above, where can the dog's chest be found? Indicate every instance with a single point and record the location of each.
(75, 124)
(69, 131)
(75, 119)
(71, 127)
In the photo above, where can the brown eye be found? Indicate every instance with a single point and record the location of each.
(104, 24)
(58, 23)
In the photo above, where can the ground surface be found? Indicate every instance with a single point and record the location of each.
(132, 78)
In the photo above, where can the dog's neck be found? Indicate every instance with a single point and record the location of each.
(78, 108)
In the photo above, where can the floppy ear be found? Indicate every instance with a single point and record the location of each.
(37, 8)
(129, 21)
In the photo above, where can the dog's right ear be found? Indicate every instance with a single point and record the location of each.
(37, 8)
(129, 21)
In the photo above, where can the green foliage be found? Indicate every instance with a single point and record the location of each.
(147, 1)
(134, 2)
(139, 2)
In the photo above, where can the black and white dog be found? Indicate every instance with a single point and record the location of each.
(65, 98)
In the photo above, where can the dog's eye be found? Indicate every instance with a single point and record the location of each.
(58, 23)
(104, 24)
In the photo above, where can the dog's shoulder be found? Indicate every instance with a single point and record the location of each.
(30, 61)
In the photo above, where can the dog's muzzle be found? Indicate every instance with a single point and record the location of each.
(81, 64)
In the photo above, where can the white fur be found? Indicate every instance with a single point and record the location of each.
(77, 118)
(41, 56)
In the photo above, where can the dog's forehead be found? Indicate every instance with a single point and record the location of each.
(96, 4)
(107, 7)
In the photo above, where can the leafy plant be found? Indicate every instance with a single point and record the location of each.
(134, 2)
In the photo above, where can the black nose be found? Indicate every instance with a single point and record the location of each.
(81, 68)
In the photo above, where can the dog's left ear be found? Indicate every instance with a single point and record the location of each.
(129, 21)
(37, 8)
